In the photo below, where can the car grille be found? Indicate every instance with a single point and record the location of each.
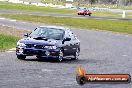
(37, 52)
(39, 46)
(29, 45)
(35, 46)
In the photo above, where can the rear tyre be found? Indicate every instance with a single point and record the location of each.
(61, 55)
(21, 57)
(89, 14)
(76, 56)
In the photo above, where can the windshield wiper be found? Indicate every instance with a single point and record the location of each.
(57, 39)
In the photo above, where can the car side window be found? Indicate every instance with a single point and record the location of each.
(67, 34)
(71, 35)
(74, 37)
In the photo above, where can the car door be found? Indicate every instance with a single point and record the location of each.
(74, 43)
(67, 44)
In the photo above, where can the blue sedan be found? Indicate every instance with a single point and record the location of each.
(49, 42)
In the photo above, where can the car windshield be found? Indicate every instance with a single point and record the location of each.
(82, 10)
(49, 33)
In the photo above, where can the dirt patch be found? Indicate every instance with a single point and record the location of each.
(12, 31)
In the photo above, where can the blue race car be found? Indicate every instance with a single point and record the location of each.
(49, 42)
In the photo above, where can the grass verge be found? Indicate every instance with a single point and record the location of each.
(9, 36)
(105, 14)
(7, 41)
(121, 26)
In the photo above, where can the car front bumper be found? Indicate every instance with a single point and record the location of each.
(37, 52)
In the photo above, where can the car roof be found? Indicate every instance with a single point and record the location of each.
(56, 27)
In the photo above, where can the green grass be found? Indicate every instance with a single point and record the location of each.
(108, 25)
(129, 16)
(127, 8)
(7, 42)
(105, 14)
(31, 8)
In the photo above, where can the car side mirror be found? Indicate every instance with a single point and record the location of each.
(26, 35)
(66, 39)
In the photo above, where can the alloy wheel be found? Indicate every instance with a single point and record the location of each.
(60, 58)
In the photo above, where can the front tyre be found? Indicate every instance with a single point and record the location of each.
(89, 14)
(21, 57)
(61, 55)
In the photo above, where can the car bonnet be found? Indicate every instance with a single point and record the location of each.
(41, 42)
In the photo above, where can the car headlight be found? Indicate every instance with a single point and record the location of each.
(21, 44)
(51, 47)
